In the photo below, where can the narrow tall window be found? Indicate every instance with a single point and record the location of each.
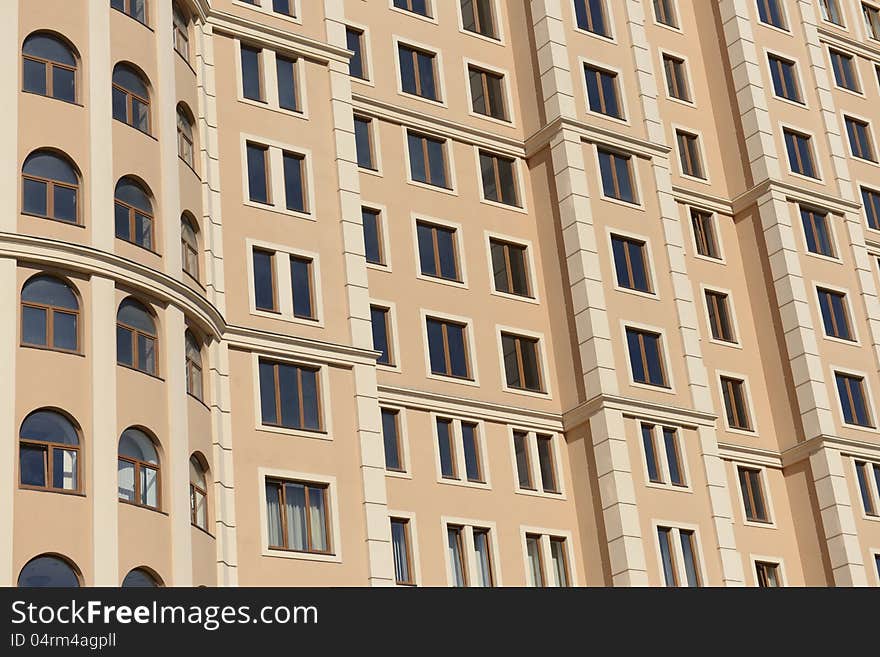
(265, 294)
(180, 23)
(646, 357)
(189, 246)
(131, 98)
(258, 172)
(753, 495)
(438, 256)
(470, 441)
(137, 9)
(767, 575)
(484, 575)
(381, 322)
(678, 546)
(138, 474)
(302, 283)
(357, 64)
(193, 365)
(457, 564)
(286, 7)
(499, 179)
(831, 11)
(478, 16)
(835, 314)
(522, 362)
(391, 439)
(133, 212)
(872, 19)
(510, 268)
(289, 396)
(298, 516)
(418, 73)
(617, 176)
(676, 78)
(547, 464)
(49, 314)
(800, 153)
(817, 232)
(288, 89)
(602, 91)
(591, 16)
(663, 455)
(198, 494)
(871, 201)
(844, 69)
(252, 72)
(448, 349)
(864, 470)
(373, 245)
(487, 93)
(523, 460)
(446, 448)
(535, 556)
(853, 399)
(689, 154)
(401, 544)
(49, 67)
(718, 307)
(420, 7)
(631, 263)
(703, 225)
(735, 403)
(295, 181)
(48, 452)
(784, 74)
(664, 12)
(770, 12)
(860, 142)
(559, 561)
(136, 337)
(427, 159)
(185, 149)
(50, 187)
(363, 139)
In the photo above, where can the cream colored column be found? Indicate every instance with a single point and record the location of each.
(176, 444)
(9, 86)
(100, 180)
(686, 311)
(222, 475)
(103, 443)
(378, 529)
(617, 493)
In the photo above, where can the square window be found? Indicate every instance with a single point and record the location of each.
(592, 16)
(478, 16)
(664, 464)
(817, 232)
(785, 81)
(602, 91)
(720, 322)
(844, 69)
(646, 357)
(427, 160)
(438, 252)
(770, 12)
(448, 348)
(676, 78)
(800, 153)
(631, 263)
(860, 142)
(499, 179)
(767, 574)
(736, 403)
(678, 556)
(487, 93)
(522, 362)
(872, 20)
(853, 399)
(835, 314)
(664, 12)
(290, 396)
(617, 176)
(510, 269)
(298, 516)
(418, 74)
(871, 201)
(831, 11)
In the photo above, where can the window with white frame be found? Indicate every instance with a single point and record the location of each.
(868, 478)
(535, 458)
(679, 556)
(664, 457)
(460, 450)
(469, 555)
(547, 560)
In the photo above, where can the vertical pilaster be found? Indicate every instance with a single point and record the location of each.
(222, 475)
(100, 180)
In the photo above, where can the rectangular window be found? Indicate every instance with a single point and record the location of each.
(591, 16)
(664, 12)
(784, 74)
(401, 544)
(678, 552)
(373, 246)
(391, 439)
(844, 69)
(817, 232)
(835, 314)
(522, 362)
(499, 179)
(487, 93)
(547, 463)
(860, 143)
(265, 295)
(289, 396)
(753, 495)
(288, 96)
(872, 19)
(449, 434)
(770, 12)
(831, 11)
(510, 268)
(646, 357)
(470, 441)
(559, 561)
(363, 139)
(689, 154)
(438, 254)
(418, 74)
(529, 477)
(457, 563)
(631, 263)
(427, 160)
(535, 556)
(800, 153)
(767, 574)
(676, 78)
(523, 460)
(448, 349)
(478, 16)
(718, 307)
(664, 465)
(871, 201)
(446, 447)
(420, 7)
(298, 516)
(357, 64)
(258, 173)
(302, 281)
(381, 321)
(735, 403)
(703, 224)
(295, 181)
(482, 551)
(602, 91)
(853, 399)
(252, 72)
(864, 472)
(286, 7)
(617, 176)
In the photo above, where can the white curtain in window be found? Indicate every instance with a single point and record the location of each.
(557, 552)
(65, 468)
(533, 551)
(484, 567)
(149, 487)
(201, 510)
(318, 519)
(455, 557)
(401, 554)
(273, 504)
(297, 533)
(125, 477)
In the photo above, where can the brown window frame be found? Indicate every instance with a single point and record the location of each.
(371, 143)
(643, 353)
(138, 466)
(194, 491)
(752, 488)
(303, 180)
(801, 171)
(588, 13)
(863, 126)
(506, 247)
(690, 157)
(630, 276)
(310, 264)
(563, 542)
(850, 381)
(49, 65)
(615, 179)
(194, 372)
(462, 555)
(518, 341)
(526, 440)
(537, 538)
(267, 174)
(499, 114)
(135, 352)
(677, 85)
(50, 198)
(705, 235)
(828, 295)
(386, 316)
(492, 33)
(380, 235)
(129, 112)
(181, 32)
(189, 252)
(48, 448)
(720, 316)
(597, 72)
(185, 142)
(816, 216)
(664, 13)
(50, 311)
(409, 7)
(547, 439)
(398, 443)
(865, 470)
(444, 325)
(408, 541)
(275, 306)
(487, 532)
(497, 162)
(276, 389)
(414, 53)
(127, 10)
(132, 224)
(435, 244)
(733, 386)
(780, 63)
(872, 18)
(308, 486)
(762, 575)
(423, 141)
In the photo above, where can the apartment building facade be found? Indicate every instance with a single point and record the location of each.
(440, 293)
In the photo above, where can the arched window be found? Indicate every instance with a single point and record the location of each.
(131, 98)
(135, 337)
(48, 571)
(193, 366)
(48, 452)
(189, 245)
(198, 493)
(185, 136)
(138, 469)
(181, 32)
(50, 187)
(137, 9)
(140, 578)
(49, 314)
(133, 211)
(49, 67)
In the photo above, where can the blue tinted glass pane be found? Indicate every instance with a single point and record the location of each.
(134, 314)
(635, 356)
(790, 82)
(65, 203)
(49, 290)
(120, 105)
(380, 334)
(140, 115)
(606, 169)
(487, 169)
(143, 231)
(48, 47)
(618, 248)
(252, 86)
(138, 578)
(146, 354)
(826, 313)
(457, 354)
(32, 465)
(389, 435)
(311, 419)
(128, 191)
(690, 559)
(446, 248)
(803, 146)
(666, 556)
(437, 162)
(809, 233)
(652, 351)
(64, 330)
(257, 178)
(609, 91)
(444, 443)
(293, 183)
(426, 250)
(621, 164)
(362, 143)
(301, 280)
(264, 295)
(124, 354)
(426, 76)
(34, 77)
(127, 78)
(371, 236)
(64, 469)
(49, 165)
(859, 403)
(283, 7)
(597, 14)
(290, 411)
(353, 43)
(407, 70)
(64, 84)
(267, 393)
(47, 572)
(286, 83)
(33, 326)
(49, 426)
(650, 455)
(122, 222)
(35, 200)
(417, 162)
(778, 87)
(637, 262)
(672, 457)
(844, 399)
(593, 90)
(471, 453)
(436, 349)
(840, 316)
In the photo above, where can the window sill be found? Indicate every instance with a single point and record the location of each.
(453, 379)
(140, 246)
(40, 489)
(436, 188)
(525, 392)
(463, 483)
(130, 17)
(503, 206)
(561, 496)
(37, 347)
(760, 524)
(442, 281)
(667, 389)
(268, 207)
(134, 369)
(751, 433)
(398, 474)
(138, 130)
(151, 509)
(497, 40)
(63, 222)
(298, 433)
(656, 485)
(60, 100)
(413, 14)
(637, 293)
(632, 205)
(725, 343)
(281, 553)
(516, 297)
